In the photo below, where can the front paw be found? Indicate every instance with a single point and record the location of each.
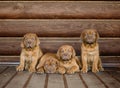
(84, 70)
(70, 71)
(40, 70)
(20, 68)
(31, 69)
(101, 69)
(95, 70)
(61, 70)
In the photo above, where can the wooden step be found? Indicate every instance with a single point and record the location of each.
(11, 45)
(60, 9)
(9, 78)
(58, 27)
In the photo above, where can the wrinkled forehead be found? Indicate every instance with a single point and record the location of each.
(66, 48)
(29, 36)
(90, 32)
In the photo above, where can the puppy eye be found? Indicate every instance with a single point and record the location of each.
(62, 51)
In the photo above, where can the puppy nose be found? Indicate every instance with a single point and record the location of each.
(65, 54)
(29, 42)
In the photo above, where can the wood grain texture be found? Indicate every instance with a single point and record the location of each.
(6, 76)
(58, 27)
(74, 81)
(11, 46)
(55, 81)
(92, 81)
(108, 80)
(19, 80)
(60, 9)
(37, 81)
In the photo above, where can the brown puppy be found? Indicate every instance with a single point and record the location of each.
(68, 60)
(90, 51)
(30, 53)
(48, 64)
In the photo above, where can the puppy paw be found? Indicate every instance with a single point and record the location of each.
(101, 69)
(40, 70)
(20, 68)
(31, 69)
(84, 70)
(70, 71)
(61, 70)
(95, 70)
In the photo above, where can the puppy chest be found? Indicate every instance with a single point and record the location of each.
(90, 56)
(29, 56)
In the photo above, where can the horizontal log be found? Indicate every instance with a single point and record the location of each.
(60, 9)
(108, 46)
(105, 59)
(58, 27)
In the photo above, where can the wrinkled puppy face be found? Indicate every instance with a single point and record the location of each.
(50, 65)
(30, 41)
(66, 53)
(89, 36)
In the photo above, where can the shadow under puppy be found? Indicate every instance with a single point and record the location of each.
(31, 52)
(90, 51)
(48, 64)
(68, 61)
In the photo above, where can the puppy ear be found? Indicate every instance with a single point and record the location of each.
(73, 52)
(37, 39)
(97, 35)
(22, 42)
(58, 53)
(82, 35)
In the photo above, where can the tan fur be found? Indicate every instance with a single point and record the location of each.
(90, 51)
(48, 64)
(69, 65)
(30, 53)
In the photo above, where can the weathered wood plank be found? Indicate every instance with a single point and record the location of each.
(7, 76)
(59, 27)
(115, 74)
(3, 68)
(74, 81)
(19, 80)
(37, 81)
(92, 81)
(55, 81)
(108, 80)
(11, 46)
(59, 9)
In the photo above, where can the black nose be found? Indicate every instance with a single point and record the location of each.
(65, 54)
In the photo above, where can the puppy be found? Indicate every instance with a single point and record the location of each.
(48, 64)
(30, 53)
(90, 51)
(68, 61)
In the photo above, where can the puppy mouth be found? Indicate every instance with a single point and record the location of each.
(65, 58)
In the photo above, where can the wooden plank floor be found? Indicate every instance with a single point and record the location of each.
(9, 78)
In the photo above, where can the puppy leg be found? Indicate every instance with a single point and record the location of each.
(61, 70)
(33, 65)
(84, 63)
(22, 64)
(95, 65)
(40, 70)
(73, 69)
(100, 65)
